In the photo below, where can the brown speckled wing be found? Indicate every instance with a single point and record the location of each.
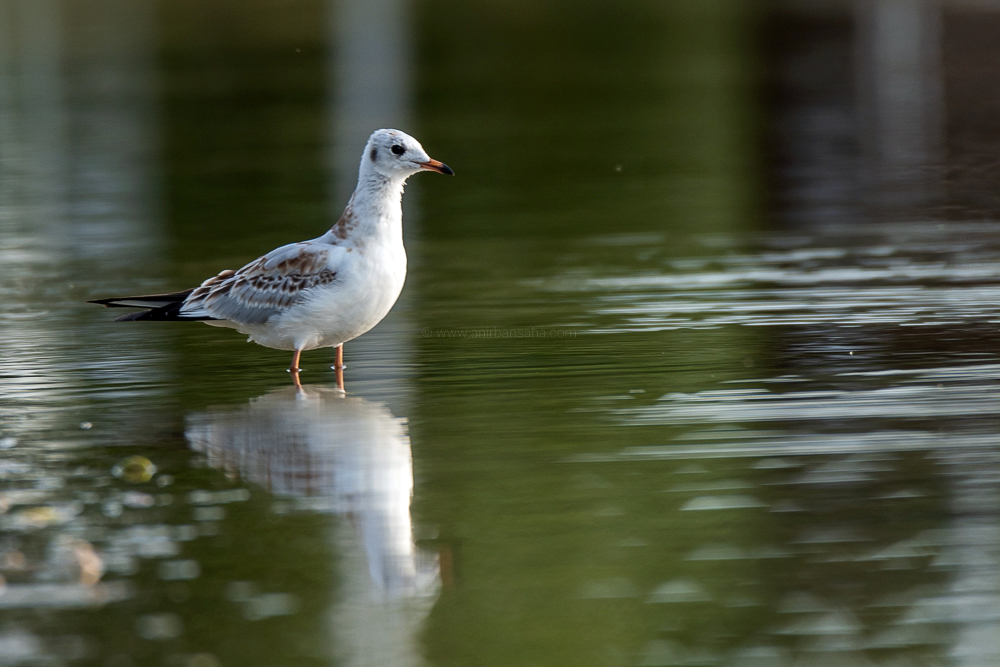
(263, 287)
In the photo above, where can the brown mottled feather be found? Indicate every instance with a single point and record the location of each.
(345, 224)
(263, 287)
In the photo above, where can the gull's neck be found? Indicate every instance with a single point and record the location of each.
(374, 212)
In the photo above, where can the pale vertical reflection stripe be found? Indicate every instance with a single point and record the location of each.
(369, 87)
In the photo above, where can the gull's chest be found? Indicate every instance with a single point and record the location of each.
(369, 280)
(373, 272)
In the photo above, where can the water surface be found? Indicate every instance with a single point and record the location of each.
(647, 399)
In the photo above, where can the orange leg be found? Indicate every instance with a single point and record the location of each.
(338, 366)
(294, 369)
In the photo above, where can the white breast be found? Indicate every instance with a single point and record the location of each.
(369, 281)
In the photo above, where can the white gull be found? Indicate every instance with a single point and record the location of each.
(317, 293)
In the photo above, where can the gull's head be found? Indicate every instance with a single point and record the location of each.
(396, 154)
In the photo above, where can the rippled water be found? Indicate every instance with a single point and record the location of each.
(915, 274)
(621, 416)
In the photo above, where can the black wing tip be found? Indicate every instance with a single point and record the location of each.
(155, 300)
(162, 307)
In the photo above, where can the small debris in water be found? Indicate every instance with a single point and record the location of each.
(13, 560)
(134, 469)
(89, 563)
(112, 509)
(86, 426)
(37, 518)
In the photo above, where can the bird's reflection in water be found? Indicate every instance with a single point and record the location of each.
(352, 458)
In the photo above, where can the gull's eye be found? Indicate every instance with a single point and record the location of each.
(397, 149)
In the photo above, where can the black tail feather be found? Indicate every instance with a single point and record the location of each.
(147, 301)
(159, 307)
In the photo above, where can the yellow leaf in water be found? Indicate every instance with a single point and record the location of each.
(37, 517)
(134, 469)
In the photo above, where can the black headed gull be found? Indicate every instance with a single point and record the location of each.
(317, 293)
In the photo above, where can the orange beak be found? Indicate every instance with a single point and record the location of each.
(438, 166)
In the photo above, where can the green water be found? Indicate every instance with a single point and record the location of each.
(620, 416)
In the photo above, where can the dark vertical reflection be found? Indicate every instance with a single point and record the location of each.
(244, 129)
(813, 129)
(858, 111)
(972, 103)
(882, 110)
(244, 155)
(901, 97)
